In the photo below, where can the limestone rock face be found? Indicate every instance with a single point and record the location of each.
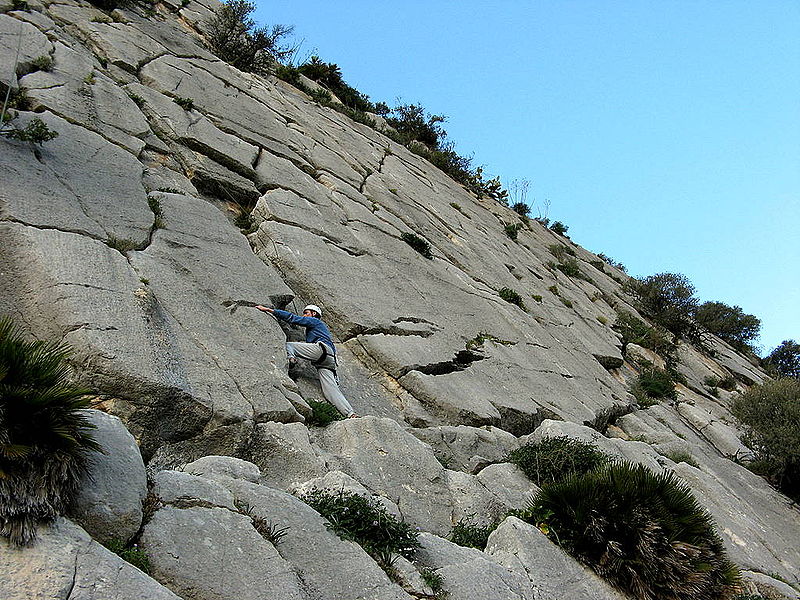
(65, 563)
(109, 503)
(552, 573)
(179, 194)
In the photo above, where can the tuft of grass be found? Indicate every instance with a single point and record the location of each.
(511, 297)
(184, 103)
(418, 244)
(482, 337)
(602, 320)
(434, 581)
(512, 230)
(268, 530)
(537, 297)
(121, 245)
(556, 458)
(468, 533)
(43, 63)
(653, 385)
(131, 554)
(679, 456)
(366, 522)
(323, 414)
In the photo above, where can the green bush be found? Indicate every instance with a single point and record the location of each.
(636, 331)
(569, 267)
(418, 244)
(330, 76)
(184, 103)
(323, 414)
(366, 522)
(610, 261)
(770, 414)
(668, 299)
(232, 36)
(785, 359)
(511, 229)
(44, 62)
(729, 323)
(644, 533)
(521, 208)
(559, 228)
(470, 534)
(555, 458)
(36, 132)
(130, 553)
(511, 297)
(44, 435)
(654, 384)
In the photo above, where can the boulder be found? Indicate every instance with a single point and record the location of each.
(109, 501)
(393, 463)
(233, 561)
(184, 489)
(552, 574)
(455, 446)
(225, 467)
(64, 563)
(469, 574)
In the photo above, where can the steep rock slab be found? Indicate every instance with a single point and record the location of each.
(32, 44)
(109, 501)
(201, 268)
(335, 568)
(65, 564)
(216, 554)
(553, 574)
(61, 189)
(77, 91)
(469, 574)
(455, 446)
(195, 131)
(759, 526)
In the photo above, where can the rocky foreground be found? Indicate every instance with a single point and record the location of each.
(118, 238)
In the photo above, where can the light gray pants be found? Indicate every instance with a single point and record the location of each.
(325, 371)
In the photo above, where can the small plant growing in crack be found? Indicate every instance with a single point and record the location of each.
(268, 530)
(36, 132)
(121, 245)
(511, 296)
(184, 103)
(418, 244)
(155, 206)
(130, 553)
(482, 337)
(43, 63)
(323, 414)
(434, 581)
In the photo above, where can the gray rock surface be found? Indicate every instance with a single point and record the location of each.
(65, 564)
(109, 502)
(181, 489)
(17, 34)
(233, 561)
(469, 574)
(553, 575)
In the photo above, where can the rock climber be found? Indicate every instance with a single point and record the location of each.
(318, 349)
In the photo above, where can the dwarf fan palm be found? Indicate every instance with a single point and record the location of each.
(44, 435)
(643, 532)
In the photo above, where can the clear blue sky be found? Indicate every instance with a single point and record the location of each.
(664, 134)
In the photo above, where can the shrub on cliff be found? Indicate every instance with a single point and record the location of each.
(729, 323)
(785, 359)
(44, 435)
(645, 533)
(770, 414)
(654, 384)
(668, 299)
(555, 458)
(366, 522)
(233, 36)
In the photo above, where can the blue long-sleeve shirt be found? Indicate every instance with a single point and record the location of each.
(316, 330)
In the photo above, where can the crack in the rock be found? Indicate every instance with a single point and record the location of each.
(74, 581)
(462, 360)
(319, 233)
(413, 320)
(359, 330)
(53, 228)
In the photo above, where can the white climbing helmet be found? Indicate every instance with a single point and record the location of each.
(315, 308)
